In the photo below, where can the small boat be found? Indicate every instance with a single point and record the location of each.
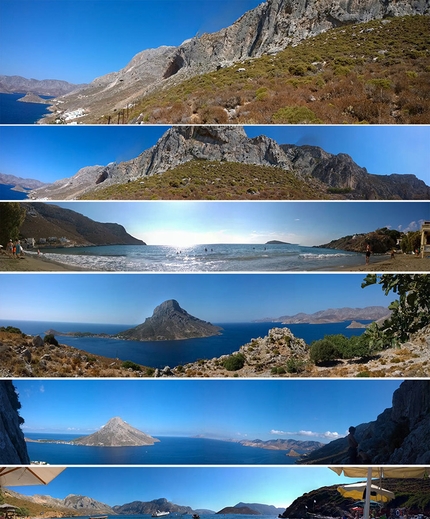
(160, 514)
(196, 516)
(99, 517)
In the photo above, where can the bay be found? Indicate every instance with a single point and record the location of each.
(169, 451)
(8, 193)
(158, 354)
(13, 111)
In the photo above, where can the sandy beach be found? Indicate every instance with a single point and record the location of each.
(400, 263)
(33, 263)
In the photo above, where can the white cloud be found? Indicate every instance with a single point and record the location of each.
(309, 434)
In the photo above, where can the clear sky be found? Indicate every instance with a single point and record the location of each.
(218, 298)
(182, 223)
(79, 40)
(317, 410)
(48, 154)
(210, 488)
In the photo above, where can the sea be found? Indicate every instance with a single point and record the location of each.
(8, 193)
(186, 516)
(13, 111)
(205, 258)
(158, 354)
(168, 451)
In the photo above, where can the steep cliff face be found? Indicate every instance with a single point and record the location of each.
(182, 144)
(269, 28)
(170, 322)
(399, 435)
(13, 450)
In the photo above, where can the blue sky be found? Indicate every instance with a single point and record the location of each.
(317, 410)
(210, 488)
(182, 223)
(79, 40)
(218, 298)
(48, 154)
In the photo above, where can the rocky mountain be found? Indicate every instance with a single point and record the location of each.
(262, 509)
(86, 504)
(47, 87)
(238, 510)
(170, 322)
(399, 435)
(295, 447)
(44, 221)
(332, 315)
(380, 241)
(20, 183)
(13, 450)
(116, 433)
(150, 507)
(267, 29)
(182, 144)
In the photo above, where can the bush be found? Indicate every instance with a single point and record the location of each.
(128, 364)
(50, 339)
(295, 115)
(234, 362)
(323, 351)
(10, 329)
(295, 365)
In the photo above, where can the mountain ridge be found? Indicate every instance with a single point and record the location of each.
(332, 315)
(48, 87)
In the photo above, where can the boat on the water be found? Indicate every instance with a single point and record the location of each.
(99, 517)
(160, 514)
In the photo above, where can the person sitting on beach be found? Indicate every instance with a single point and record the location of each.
(352, 445)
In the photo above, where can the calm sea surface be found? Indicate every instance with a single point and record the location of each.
(13, 111)
(159, 354)
(205, 258)
(7, 193)
(168, 451)
(203, 516)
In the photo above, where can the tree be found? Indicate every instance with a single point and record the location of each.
(12, 216)
(410, 313)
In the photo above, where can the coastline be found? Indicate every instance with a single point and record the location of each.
(34, 263)
(400, 263)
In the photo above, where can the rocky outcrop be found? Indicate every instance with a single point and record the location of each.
(86, 504)
(13, 450)
(48, 87)
(238, 510)
(170, 322)
(182, 144)
(283, 445)
(116, 433)
(267, 29)
(399, 435)
(261, 508)
(33, 98)
(151, 507)
(380, 241)
(46, 220)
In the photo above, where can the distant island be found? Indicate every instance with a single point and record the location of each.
(33, 98)
(277, 242)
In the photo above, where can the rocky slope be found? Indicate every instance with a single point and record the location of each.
(182, 144)
(332, 315)
(150, 507)
(293, 447)
(13, 450)
(267, 29)
(380, 242)
(262, 509)
(21, 183)
(43, 221)
(170, 322)
(238, 510)
(399, 435)
(48, 87)
(116, 433)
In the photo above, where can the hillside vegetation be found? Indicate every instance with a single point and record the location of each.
(376, 72)
(210, 180)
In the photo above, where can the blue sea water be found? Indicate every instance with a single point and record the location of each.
(168, 451)
(175, 515)
(7, 193)
(205, 258)
(159, 354)
(13, 111)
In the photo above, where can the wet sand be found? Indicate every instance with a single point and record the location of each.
(400, 263)
(33, 263)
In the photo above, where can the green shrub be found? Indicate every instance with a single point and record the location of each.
(10, 329)
(295, 115)
(50, 339)
(234, 362)
(295, 365)
(323, 351)
(128, 364)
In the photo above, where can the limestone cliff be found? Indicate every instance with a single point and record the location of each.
(13, 450)
(170, 322)
(182, 144)
(269, 28)
(399, 435)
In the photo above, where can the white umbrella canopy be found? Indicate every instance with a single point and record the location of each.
(34, 475)
(357, 490)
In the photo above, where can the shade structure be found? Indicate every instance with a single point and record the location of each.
(357, 491)
(33, 475)
(380, 472)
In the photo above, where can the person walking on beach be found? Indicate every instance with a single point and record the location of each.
(368, 253)
(352, 446)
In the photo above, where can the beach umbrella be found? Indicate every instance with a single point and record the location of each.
(34, 475)
(358, 491)
(380, 472)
